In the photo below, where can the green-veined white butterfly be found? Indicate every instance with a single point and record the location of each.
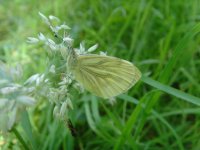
(104, 76)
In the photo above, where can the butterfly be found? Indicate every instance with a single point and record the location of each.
(104, 76)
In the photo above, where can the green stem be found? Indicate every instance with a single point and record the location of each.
(14, 130)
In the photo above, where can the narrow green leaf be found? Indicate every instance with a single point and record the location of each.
(164, 78)
(26, 125)
(178, 51)
(92, 123)
(19, 137)
(171, 91)
(178, 139)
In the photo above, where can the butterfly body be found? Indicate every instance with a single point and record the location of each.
(104, 76)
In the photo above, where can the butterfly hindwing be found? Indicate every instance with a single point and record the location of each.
(105, 76)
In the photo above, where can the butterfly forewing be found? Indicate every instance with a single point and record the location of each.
(105, 76)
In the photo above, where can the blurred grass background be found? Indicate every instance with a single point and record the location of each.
(145, 32)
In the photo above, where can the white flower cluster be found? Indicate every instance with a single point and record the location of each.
(54, 84)
(59, 91)
(14, 97)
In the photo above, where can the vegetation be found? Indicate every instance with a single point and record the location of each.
(159, 37)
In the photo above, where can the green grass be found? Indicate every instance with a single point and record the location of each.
(160, 37)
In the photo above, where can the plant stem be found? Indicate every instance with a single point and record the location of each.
(14, 130)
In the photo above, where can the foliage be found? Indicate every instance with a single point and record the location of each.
(161, 37)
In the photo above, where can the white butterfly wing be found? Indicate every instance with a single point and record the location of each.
(105, 76)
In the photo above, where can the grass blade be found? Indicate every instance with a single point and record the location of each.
(26, 125)
(164, 78)
(172, 91)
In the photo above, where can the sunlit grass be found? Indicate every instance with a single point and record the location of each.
(160, 37)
